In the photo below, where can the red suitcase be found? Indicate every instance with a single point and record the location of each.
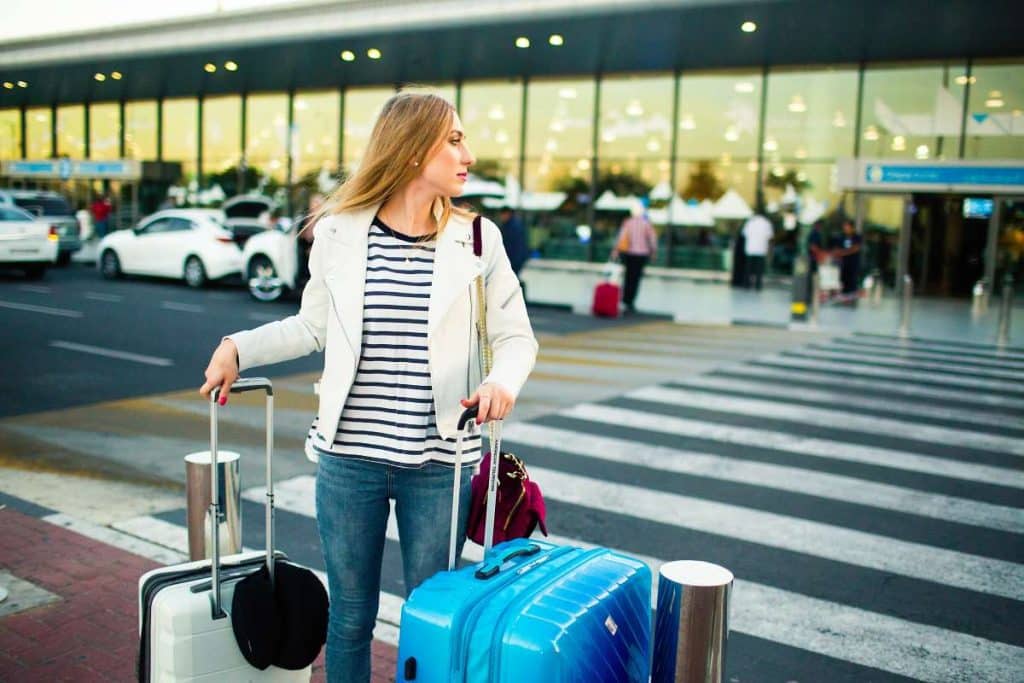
(606, 300)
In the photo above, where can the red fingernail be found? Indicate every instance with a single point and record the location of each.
(223, 400)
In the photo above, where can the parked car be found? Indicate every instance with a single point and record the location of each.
(55, 210)
(189, 244)
(247, 215)
(26, 242)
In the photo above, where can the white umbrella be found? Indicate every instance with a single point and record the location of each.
(731, 206)
(661, 191)
(609, 201)
(812, 211)
(478, 187)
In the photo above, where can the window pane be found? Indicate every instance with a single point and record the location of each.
(38, 122)
(493, 118)
(560, 121)
(222, 123)
(912, 112)
(995, 118)
(105, 131)
(71, 131)
(810, 114)
(266, 135)
(181, 134)
(445, 90)
(140, 130)
(636, 115)
(10, 134)
(361, 108)
(719, 114)
(317, 123)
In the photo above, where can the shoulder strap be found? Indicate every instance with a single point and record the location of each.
(478, 243)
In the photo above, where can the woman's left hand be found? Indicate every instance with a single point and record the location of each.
(495, 402)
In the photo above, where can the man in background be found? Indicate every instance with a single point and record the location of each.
(757, 235)
(513, 236)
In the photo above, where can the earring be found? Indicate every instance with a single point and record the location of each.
(415, 163)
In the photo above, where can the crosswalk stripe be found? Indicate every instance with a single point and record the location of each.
(922, 341)
(826, 377)
(839, 419)
(830, 486)
(911, 354)
(1012, 389)
(813, 447)
(846, 400)
(880, 641)
(948, 368)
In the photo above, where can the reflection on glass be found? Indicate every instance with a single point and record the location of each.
(266, 135)
(71, 131)
(140, 130)
(181, 134)
(912, 112)
(105, 131)
(492, 116)
(995, 118)
(445, 90)
(222, 148)
(719, 114)
(38, 122)
(810, 114)
(636, 118)
(10, 134)
(315, 138)
(361, 108)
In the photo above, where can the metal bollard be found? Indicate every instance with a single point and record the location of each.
(979, 297)
(815, 298)
(692, 623)
(908, 294)
(197, 496)
(876, 290)
(1005, 311)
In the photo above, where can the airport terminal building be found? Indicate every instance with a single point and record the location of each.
(906, 116)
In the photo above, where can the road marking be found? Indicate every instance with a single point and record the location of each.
(919, 651)
(900, 362)
(110, 353)
(35, 289)
(838, 419)
(825, 449)
(117, 539)
(184, 308)
(779, 477)
(955, 359)
(111, 298)
(63, 312)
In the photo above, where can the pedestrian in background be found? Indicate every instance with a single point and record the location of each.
(391, 250)
(757, 235)
(636, 244)
(847, 250)
(101, 210)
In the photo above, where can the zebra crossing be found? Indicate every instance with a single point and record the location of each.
(866, 492)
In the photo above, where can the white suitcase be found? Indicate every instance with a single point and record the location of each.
(184, 627)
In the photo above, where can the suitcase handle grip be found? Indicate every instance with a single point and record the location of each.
(491, 570)
(468, 415)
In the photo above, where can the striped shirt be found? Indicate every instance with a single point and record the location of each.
(389, 413)
(643, 241)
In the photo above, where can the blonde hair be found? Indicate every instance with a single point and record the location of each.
(409, 130)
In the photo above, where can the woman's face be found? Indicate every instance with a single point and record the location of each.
(446, 171)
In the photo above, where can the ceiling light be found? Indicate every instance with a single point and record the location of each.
(752, 166)
(1016, 112)
(583, 164)
(796, 105)
(22, 84)
(551, 146)
(770, 145)
(744, 86)
(116, 75)
(921, 152)
(556, 40)
(748, 27)
(373, 53)
(800, 153)
(870, 133)
(635, 109)
(653, 145)
(556, 127)
(8, 85)
(496, 113)
(964, 80)
(348, 56)
(231, 66)
(994, 102)
(99, 77)
(731, 134)
(210, 68)
(899, 143)
(522, 42)
(567, 93)
(501, 137)
(687, 122)
(301, 105)
(608, 136)
(839, 121)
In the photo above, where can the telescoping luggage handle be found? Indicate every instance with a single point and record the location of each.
(240, 386)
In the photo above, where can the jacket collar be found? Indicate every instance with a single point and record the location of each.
(455, 267)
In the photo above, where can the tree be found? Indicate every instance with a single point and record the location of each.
(703, 183)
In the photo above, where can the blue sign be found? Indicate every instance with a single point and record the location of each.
(64, 169)
(881, 174)
(31, 168)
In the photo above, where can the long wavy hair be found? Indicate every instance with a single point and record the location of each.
(409, 130)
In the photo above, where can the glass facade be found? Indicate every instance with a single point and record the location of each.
(140, 130)
(700, 149)
(10, 134)
(105, 131)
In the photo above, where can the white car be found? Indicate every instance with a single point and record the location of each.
(275, 261)
(189, 244)
(27, 243)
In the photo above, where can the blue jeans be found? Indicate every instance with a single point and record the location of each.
(352, 511)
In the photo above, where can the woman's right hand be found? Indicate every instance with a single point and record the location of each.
(222, 371)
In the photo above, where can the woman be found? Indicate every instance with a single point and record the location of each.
(390, 302)
(636, 244)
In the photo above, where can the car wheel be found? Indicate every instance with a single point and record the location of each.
(110, 265)
(195, 273)
(264, 284)
(36, 271)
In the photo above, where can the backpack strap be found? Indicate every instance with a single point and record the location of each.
(478, 243)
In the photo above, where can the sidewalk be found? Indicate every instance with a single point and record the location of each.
(72, 611)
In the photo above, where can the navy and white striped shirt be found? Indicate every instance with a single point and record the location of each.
(389, 413)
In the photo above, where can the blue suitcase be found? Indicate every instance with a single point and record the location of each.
(531, 612)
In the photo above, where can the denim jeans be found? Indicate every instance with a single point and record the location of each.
(352, 511)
